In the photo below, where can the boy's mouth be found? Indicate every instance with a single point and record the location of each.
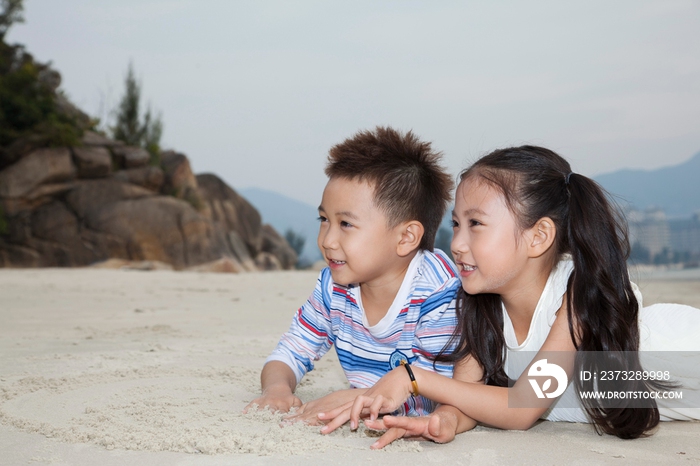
(467, 267)
(333, 261)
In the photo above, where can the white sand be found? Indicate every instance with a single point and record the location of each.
(127, 367)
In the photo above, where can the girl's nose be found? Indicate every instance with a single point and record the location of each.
(459, 244)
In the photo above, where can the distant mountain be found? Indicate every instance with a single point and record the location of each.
(285, 213)
(675, 189)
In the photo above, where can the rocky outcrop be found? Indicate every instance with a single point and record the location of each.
(103, 202)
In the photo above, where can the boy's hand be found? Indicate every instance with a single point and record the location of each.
(308, 412)
(278, 398)
(278, 383)
(440, 427)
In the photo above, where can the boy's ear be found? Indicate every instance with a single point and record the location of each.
(411, 236)
(541, 236)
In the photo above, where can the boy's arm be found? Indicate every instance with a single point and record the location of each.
(307, 340)
(278, 383)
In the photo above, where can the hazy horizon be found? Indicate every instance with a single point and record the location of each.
(607, 85)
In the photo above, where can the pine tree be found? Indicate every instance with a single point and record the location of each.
(129, 127)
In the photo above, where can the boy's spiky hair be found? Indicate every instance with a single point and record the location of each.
(409, 182)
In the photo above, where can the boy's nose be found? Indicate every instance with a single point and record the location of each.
(327, 239)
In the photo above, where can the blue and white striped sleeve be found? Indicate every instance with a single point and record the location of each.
(435, 327)
(310, 334)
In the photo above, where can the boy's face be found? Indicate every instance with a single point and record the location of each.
(354, 236)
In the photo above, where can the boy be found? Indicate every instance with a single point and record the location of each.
(384, 297)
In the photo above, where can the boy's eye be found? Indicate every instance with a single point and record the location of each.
(474, 223)
(455, 223)
(322, 219)
(344, 224)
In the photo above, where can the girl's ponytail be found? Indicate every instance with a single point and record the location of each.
(602, 308)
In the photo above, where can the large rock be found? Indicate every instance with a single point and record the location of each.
(231, 211)
(276, 245)
(93, 195)
(65, 207)
(92, 162)
(41, 166)
(12, 255)
(37, 197)
(131, 157)
(178, 173)
(160, 228)
(147, 177)
(91, 138)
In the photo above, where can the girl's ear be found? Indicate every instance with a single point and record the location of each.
(541, 237)
(411, 236)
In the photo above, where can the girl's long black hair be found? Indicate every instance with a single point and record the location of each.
(601, 305)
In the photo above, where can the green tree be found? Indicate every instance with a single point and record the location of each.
(28, 101)
(129, 127)
(10, 14)
(295, 240)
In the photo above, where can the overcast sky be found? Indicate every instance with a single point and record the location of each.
(257, 91)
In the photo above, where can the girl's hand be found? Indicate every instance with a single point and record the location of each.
(440, 427)
(384, 397)
(308, 412)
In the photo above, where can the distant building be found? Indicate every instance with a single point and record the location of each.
(650, 230)
(685, 234)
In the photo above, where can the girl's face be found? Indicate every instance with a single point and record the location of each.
(487, 245)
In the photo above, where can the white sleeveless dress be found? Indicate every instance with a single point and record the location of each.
(663, 328)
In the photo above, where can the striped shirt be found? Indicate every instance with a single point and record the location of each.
(417, 326)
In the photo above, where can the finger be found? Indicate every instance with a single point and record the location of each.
(375, 425)
(388, 437)
(375, 407)
(358, 405)
(336, 421)
(332, 414)
(434, 428)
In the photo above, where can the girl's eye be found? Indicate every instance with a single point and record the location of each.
(322, 219)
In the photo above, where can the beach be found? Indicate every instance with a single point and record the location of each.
(112, 367)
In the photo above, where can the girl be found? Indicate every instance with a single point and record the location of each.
(542, 257)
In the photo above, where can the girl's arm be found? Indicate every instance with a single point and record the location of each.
(483, 403)
(441, 426)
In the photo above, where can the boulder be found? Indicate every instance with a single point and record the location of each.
(178, 173)
(147, 177)
(130, 157)
(91, 195)
(36, 197)
(276, 245)
(131, 265)
(160, 228)
(230, 211)
(12, 255)
(240, 251)
(92, 162)
(54, 221)
(91, 138)
(41, 166)
(266, 261)
(21, 147)
(56, 235)
(223, 265)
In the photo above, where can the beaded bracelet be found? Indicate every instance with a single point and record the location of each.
(412, 377)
